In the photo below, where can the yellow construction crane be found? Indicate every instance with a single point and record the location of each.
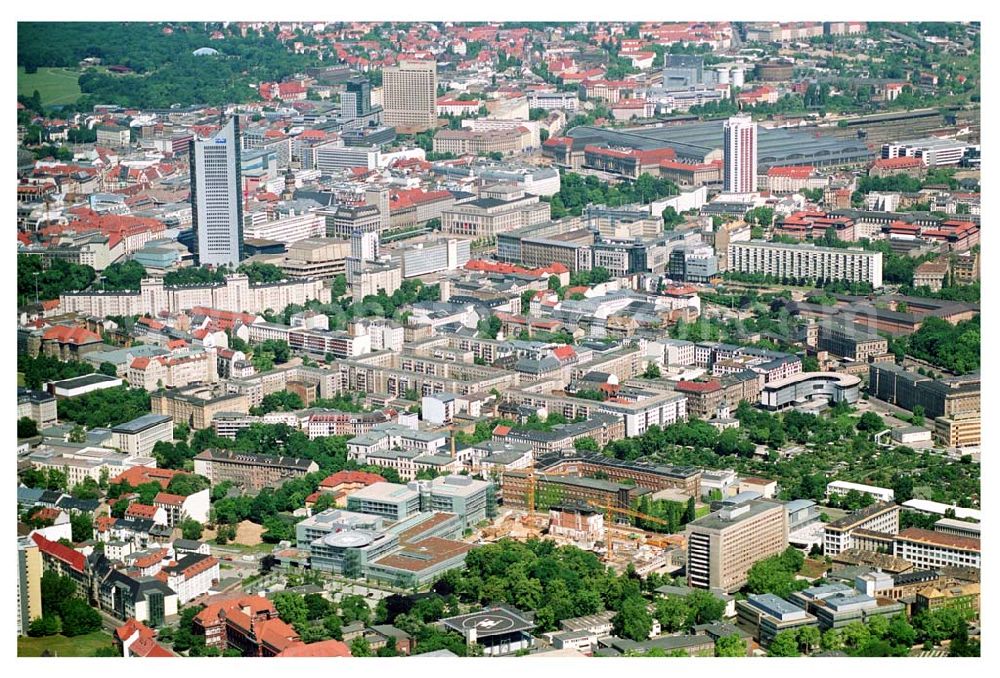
(609, 510)
(532, 481)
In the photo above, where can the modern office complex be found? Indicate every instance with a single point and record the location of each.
(766, 615)
(836, 605)
(217, 197)
(834, 387)
(806, 261)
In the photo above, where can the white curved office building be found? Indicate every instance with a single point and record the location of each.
(805, 386)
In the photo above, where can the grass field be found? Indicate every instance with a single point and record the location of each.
(20, 378)
(55, 85)
(61, 646)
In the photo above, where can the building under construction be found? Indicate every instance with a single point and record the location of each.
(551, 490)
(654, 477)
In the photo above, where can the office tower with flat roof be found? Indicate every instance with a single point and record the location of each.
(216, 201)
(356, 99)
(723, 545)
(410, 95)
(740, 154)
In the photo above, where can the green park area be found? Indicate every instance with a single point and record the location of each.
(61, 646)
(54, 85)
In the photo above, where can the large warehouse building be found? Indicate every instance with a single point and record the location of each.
(702, 142)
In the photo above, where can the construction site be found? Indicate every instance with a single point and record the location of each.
(591, 518)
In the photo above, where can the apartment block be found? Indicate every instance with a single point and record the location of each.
(236, 295)
(29, 584)
(552, 490)
(766, 615)
(806, 261)
(251, 471)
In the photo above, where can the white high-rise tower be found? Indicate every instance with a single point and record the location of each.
(740, 150)
(216, 197)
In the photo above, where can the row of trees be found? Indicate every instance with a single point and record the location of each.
(837, 449)
(953, 347)
(882, 636)
(167, 72)
(51, 281)
(380, 305)
(577, 191)
(63, 610)
(104, 408)
(42, 369)
(777, 574)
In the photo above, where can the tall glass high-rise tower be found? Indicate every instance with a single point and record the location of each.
(216, 197)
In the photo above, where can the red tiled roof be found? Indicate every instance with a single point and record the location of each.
(699, 386)
(70, 335)
(324, 648)
(276, 633)
(558, 141)
(137, 475)
(501, 430)
(233, 606)
(792, 171)
(125, 631)
(345, 477)
(897, 163)
(313, 134)
(564, 352)
(71, 557)
(690, 166)
(940, 539)
(151, 559)
(168, 499)
(140, 511)
(45, 514)
(147, 647)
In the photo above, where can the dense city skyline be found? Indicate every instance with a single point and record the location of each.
(431, 338)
